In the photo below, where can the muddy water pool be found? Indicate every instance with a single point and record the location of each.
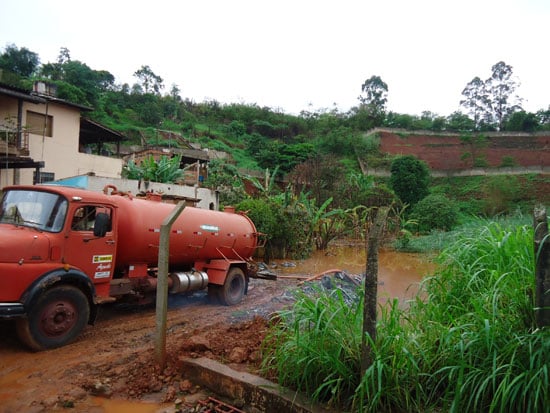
(399, 274)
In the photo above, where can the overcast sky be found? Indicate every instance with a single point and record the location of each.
(300, 54)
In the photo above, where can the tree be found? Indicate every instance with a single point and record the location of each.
(64, 56)
(409, 179)
(398, 120)
(373, 102)
(476, 100)
(68, 74)
(55, 71)
(21, 61)
(320, 176)
(522, 121)
(476, 143)
(227, 181)
(149, 79)
(175, 93)
(90, 81)
(370, 291)
(171, 104)
(458, 122)
(543, 119)
(376, 91)
(501, 87)
(341, 141)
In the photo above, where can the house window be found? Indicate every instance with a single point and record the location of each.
(39, 123)
(44, 177)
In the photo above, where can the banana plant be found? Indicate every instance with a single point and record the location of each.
(356, 219)
(325, 225)
(266, 188)
(166, 170)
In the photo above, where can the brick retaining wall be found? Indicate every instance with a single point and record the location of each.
(452, 152)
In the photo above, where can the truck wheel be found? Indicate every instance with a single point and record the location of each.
(57, 318)
(233, 289)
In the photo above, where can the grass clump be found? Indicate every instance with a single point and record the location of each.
(467, 342)
(477, 324)
(437, 240)
(315, 347)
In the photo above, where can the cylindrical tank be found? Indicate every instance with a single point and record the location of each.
(188, 281)
(197, 234)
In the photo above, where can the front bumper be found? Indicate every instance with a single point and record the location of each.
(11, 310)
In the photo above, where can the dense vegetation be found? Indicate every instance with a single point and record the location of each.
(467, 343)
(312, 161)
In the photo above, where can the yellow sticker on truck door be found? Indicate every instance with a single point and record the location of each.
(97, 259)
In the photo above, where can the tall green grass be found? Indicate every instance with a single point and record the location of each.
(315, 346)
(478, 324)
(438, 240)
(467, 343)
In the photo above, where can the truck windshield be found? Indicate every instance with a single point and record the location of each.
(36, 209)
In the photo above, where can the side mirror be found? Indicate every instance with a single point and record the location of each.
(102, 224)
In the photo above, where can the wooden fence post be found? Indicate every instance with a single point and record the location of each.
(370, 302)
(542, 267)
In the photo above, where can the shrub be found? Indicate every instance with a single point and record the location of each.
(502, 194)
(508, 161)
(283, 225)
(409, 179)
(435, 212)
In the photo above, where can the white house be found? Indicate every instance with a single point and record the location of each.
(43, 138)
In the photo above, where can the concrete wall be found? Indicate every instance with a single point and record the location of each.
(207, 198)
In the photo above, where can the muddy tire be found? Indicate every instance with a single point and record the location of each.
(232, 291)
(56, 318)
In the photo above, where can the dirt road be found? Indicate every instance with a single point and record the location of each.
(115, 359)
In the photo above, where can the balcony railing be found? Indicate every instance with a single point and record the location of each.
(9, 144)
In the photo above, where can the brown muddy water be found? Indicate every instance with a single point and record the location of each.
(399, 274)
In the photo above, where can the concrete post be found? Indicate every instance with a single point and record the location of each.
(162, 283)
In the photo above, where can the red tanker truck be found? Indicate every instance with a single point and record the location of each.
(64, 251)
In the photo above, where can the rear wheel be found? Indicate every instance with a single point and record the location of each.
(57, 318)
(233, 289)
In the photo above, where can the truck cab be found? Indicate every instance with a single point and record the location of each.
(56, 257)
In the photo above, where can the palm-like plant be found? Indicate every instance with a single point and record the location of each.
(165, 170)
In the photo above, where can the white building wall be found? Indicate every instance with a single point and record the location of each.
(59, 152)
(207, 198)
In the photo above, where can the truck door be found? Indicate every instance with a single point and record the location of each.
(95, 256)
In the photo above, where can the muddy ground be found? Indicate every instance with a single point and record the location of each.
(115, 359)
(112, 366)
